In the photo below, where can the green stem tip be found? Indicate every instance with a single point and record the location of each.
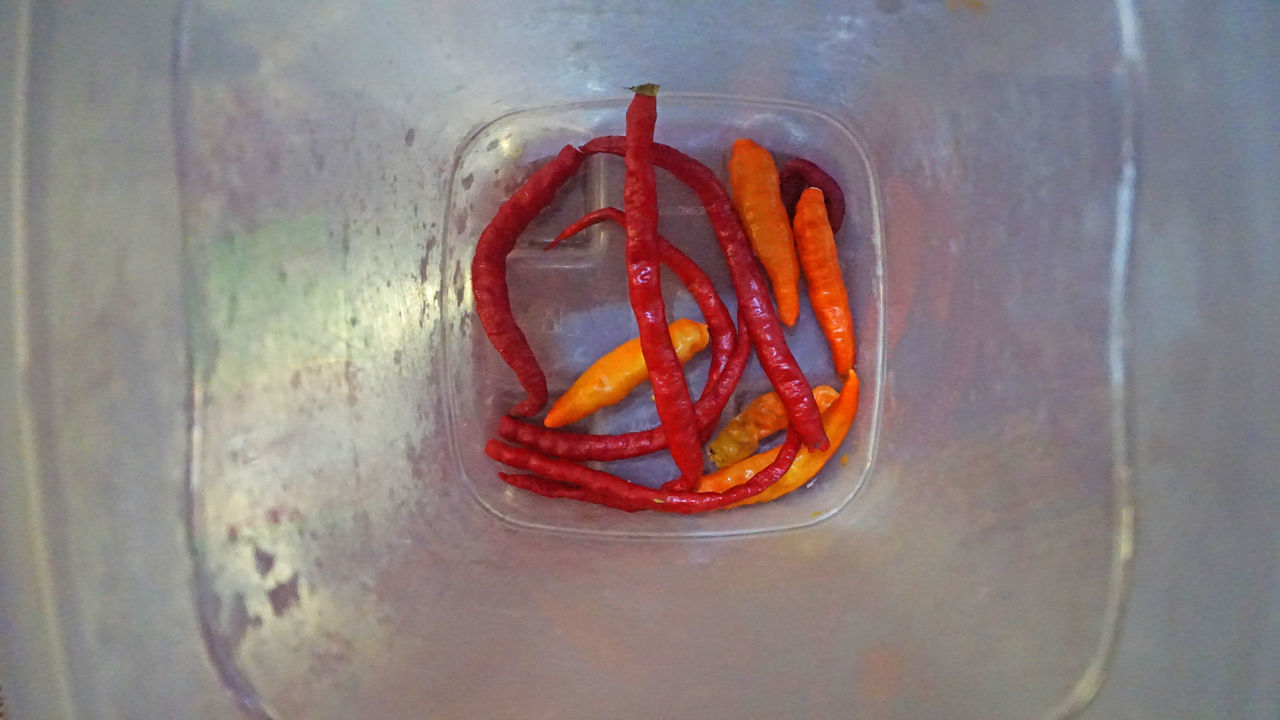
(650, 89)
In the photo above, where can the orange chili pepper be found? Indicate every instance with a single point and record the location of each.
(613, 376)
(761, 418)
(816, 245)
(836, 420)
(758, 200)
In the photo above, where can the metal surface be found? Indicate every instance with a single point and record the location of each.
(96, 292)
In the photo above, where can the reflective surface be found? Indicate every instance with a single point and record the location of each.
(971, 575)
(345, 568)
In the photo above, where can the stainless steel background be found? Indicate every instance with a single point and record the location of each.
(93, 602)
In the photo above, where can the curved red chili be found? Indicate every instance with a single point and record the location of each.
(565, 479)
(722, 378)
(748, 279)
(799, 174)
(699, 285)
(644, 285)
(585, 446)
(555, 489)
(489, 273)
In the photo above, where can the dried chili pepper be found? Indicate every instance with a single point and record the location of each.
(799, 174)
(761, 418)
(754, 180)
(597, 486)
(584, 446)
(644, 285)
(748, 280)
(611, 378)
(827, 293)
(489, 273)
(837, 419)
(555, 489)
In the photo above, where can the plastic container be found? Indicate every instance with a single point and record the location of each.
(241, 393)
(355, 555)
(573, 301)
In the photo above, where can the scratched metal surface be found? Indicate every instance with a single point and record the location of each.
(320, 555)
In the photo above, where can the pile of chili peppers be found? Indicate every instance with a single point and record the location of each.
(763, 201)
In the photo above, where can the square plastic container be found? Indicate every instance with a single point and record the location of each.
(356, 555)
(573, 301)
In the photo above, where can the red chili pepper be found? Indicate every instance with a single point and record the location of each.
(582, 483)
(555, 489)
(719, 321)
(799, 174)
(748, 279)
(644, 285)
(489, 273)
(585, 446)
(721, 380)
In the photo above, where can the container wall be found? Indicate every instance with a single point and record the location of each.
(252, 455)
(346, 567)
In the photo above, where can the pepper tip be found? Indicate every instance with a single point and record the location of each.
(649, 89)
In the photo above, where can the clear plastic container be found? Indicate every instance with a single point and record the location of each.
(358, 558)
(573, 301)
(353, 554)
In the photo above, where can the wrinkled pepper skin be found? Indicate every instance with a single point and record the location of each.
(837, 419)
(489, 273)
(761, 418)
(749, 282)
(644, 286)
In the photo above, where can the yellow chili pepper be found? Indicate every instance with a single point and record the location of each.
(761, 418)
(757, 197)
(836, 420)
(613, 376)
